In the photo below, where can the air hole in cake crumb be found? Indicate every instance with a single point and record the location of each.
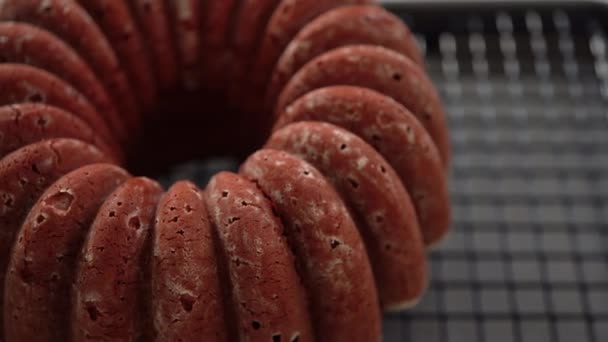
(224, 194)
(382, 169)
(397, 76)
(231, 220)
(353, 183)
(119, 204)
(379, 218)
(343, 147)
(334, 244)
(276, 338)
(256, 325)
(93, 312)
(100, 14)
(306, 173)
(297, 228)
(112, 214)
(35, 97)
(419, 197)
(134, 223)
(22, 182)
(188, 208)
(40, 219)
(42, 122)
(244, 204)
(46, 9)
(61, 201)
(26, 274)
(187, 302)
(8, 200)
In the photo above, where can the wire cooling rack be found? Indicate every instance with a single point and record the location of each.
(527, 259)
(526, 91)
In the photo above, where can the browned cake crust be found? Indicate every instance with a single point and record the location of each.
(153, 20)
(347, 25)
(25, 174)
(250, 20)
(381, 206)
(28, 123)
(107, 292)
(329, 251)
(27, 44)
(43, 263)
(380, 69)
(215, 44)
(120, 28)
(319, 232)
(66, 19)
(268, 297)
(20, 83)
(394, 132)
(250, 24)
(186, 19)
(288, 18)
(186, 294)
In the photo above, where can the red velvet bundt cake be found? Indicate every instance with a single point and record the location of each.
(322, 229)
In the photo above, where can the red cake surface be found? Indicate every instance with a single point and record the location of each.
(320, 231)
(107, 294)
(380, 205)
(332, 260)
(71, 23)
(119, 27)
(186, 294)
(43, 262)
(24, 175)
(380, 69)
(27, 44)
(348, 25)
(396, 134)
(22, 84)
(267, 297)
(28, 123)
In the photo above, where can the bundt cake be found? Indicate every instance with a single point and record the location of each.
(324, 226)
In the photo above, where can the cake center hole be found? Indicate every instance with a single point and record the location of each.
(193, 135)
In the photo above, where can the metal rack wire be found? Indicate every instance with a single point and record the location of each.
(527, 95)
(527, 260)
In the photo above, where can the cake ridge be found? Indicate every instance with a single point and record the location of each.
(325, 225)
